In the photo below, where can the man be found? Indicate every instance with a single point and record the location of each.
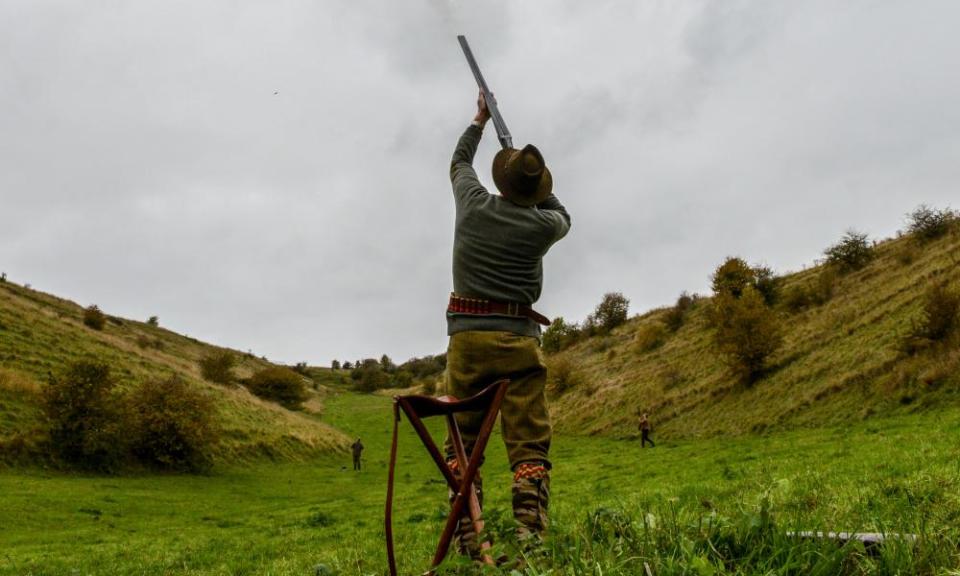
(644, 428)
(357, 448)
(498, 249)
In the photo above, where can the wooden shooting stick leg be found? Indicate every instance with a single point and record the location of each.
(468, 475)
(473, 502)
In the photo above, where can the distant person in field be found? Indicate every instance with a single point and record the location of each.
(644, 428)
(357, 448)
(498, 248)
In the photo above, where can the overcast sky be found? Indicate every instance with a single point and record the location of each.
(274, 175)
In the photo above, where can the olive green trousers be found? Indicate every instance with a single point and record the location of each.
(476, 359)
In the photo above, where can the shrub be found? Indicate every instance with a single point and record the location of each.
(301, 368)
(559, 335)
(94, 318)
(153, 321)
(851, 253)
(173, 425)
(402, 379)
(369, 376)
(335, 365)
(797, 297)
(940, 318)
(347, 365)
(281, 385)
(561, 376)
(650, 336)
(748, 333)
(144, 341)
(84, 416)
(926, 223)
(218, 367)
(675, 317)
(611, 311)
(734, 275)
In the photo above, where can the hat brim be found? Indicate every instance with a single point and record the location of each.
(510, 192)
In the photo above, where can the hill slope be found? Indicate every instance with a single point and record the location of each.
(839, 361)
(41, 334)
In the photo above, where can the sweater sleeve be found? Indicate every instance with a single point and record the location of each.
(557, 214)
(462, 175)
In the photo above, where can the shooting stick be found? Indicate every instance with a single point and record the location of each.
(417, 407)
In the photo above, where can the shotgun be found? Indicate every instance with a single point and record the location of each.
(503, 134)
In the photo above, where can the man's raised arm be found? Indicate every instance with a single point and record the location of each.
(462, 175)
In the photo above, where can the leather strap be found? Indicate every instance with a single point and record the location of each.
(484, 307)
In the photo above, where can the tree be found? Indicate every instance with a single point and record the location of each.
(748, 332)
(927, 223)
(734, 275)
(173, 425)
(335, 365)
(153, 321)
(559, 335)
(280, 385)
(84, 414)
(347, 365)
(387, 365)
(851, 253)
(611, 311)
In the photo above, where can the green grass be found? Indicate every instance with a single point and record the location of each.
(719, 505)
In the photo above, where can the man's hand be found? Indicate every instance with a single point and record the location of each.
(482, 113)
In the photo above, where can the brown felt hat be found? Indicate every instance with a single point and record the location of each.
(522, 176)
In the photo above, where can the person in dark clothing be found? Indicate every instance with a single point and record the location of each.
(645, 431)
(357, 448)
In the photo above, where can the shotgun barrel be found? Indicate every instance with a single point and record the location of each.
(503, 134)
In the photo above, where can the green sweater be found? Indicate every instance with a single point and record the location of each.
(498, 246)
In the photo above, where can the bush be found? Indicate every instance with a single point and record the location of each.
(748, 333)
(218, 367)
(84, 416)
(650, 336)
(732, 277)
(281, 385)
(561, 376)
(675, 317)
(402, 379)
(939, 320)
(94, 318)
(851, 253)
(926, 223)
(335, 365)
(559, 335)
(153, 321)
(173, 425)
(611, 312)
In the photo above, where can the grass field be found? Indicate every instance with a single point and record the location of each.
(710, 506)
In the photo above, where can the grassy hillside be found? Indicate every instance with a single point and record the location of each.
(840, 361)
(41, 334)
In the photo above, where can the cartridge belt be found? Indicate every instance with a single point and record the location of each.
(483, 307)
